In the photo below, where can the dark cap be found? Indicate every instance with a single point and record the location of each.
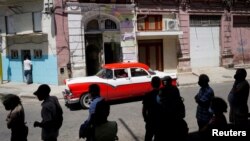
(42, 89)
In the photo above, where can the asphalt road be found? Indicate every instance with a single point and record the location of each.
(128, 116)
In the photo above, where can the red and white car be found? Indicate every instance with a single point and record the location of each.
(116, 81)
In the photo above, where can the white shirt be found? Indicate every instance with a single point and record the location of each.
(27, 64)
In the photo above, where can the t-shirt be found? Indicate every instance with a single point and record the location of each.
(27, 64)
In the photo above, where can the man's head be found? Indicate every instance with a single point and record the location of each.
(42, 92)
(156, 82)
(167, 81)
(10, 101)
(203, 80)
(218, 105)
(94, 90)
(240, 74)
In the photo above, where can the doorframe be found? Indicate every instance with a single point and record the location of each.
(157, 43)
(23, 54)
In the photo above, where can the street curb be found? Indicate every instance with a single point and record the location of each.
(27, 96)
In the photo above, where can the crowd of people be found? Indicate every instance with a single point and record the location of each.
(163, 112)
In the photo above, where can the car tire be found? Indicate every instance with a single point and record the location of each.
(85, 101)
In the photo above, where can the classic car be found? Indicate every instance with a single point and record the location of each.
(117, 81)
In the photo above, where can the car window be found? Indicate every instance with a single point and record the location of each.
(105, 73)
(135, 72)
(121, 73)
(151, 72)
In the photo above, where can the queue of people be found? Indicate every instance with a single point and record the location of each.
(163, 112)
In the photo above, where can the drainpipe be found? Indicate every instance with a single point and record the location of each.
(242, 47)
(134, 32)
(1, 68)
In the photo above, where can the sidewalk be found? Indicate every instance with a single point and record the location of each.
(216, 75)
(24, 90)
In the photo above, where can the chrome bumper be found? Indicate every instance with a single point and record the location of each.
(67, 97)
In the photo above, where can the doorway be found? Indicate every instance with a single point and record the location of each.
(25, 53)
(151, 53)
(112, 52)
(93, 53)
(92, 59)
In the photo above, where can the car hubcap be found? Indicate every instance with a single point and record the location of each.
(87, 101)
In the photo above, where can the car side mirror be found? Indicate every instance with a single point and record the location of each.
(149, 76)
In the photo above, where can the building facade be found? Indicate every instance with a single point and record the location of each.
(71, 38)
(99, 33)
(28, 29)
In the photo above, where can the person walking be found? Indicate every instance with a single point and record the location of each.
(203, 98)
(16, 118)
(104, 130)
(238, 99)
(150, 109)
(27, 66)
(171, 123)
(51, 114)
(86, 128)
(218, 121)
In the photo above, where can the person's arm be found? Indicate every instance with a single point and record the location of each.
(144, 113)
(239, 86)
(205, 101)
(9, 119)
(12, 118)
(47, 118)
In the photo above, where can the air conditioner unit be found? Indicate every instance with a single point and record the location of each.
(171, 24)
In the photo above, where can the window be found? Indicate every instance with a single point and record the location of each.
(121, 73)
(204, 20)
(93, 25)
(241, 21)
(105, 73)
(110, 24)
(149, 22)
(14, 54)
(37, 53)
(37, 21)
(10, 25)
(135, 72)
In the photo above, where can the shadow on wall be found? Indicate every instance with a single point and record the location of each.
(9, 74)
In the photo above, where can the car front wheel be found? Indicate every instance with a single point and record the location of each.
(85, 101)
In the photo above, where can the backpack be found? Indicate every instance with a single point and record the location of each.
(58, 119)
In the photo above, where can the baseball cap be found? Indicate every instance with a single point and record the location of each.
(42, 89)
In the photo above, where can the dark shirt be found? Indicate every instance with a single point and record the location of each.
(150, 106)
(204, 98)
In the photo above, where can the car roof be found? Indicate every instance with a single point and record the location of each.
(126, 65)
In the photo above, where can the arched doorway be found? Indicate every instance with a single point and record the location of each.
(92, 59)
(102, 42)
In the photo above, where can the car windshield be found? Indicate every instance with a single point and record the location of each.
(151, 72)
(105, 73)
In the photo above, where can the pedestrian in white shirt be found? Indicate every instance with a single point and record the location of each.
(27, 65)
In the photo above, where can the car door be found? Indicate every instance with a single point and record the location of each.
(119, 85)
(140, 82)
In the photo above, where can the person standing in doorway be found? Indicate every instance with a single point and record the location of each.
(27, 65)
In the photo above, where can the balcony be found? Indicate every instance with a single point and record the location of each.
(153, 25)
(27, 38)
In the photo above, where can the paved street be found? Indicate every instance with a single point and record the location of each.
(127, 115)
